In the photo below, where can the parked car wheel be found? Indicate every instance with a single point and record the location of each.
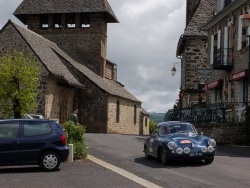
(209, 161)
(163, 156)
(147, 156)
(50, 161)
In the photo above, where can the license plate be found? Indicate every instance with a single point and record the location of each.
(195, 154)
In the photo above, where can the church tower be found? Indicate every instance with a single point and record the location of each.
(79, 27)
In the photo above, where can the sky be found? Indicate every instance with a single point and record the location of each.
(143, 45)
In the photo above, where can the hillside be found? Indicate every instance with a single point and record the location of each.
(157, 117)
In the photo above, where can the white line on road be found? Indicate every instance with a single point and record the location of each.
(124, 173)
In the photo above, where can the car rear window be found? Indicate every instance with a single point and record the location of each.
(9, 130)
(36, 128)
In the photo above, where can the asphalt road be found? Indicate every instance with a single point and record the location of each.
(77, 174)
(231, 167)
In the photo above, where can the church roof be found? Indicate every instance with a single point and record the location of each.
(49, 52)
(28, 7)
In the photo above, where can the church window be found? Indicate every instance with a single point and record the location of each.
(135, 114)
(85, 21)
(44, 22)
(117, 111)
(57, 21)
(70, 21)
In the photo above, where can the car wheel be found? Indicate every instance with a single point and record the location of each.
(50, 161)
(209, 161)
(147, 156)
(163, 156)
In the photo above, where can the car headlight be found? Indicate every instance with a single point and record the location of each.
(210, 149)
(171, 145)
(212, 142)
(186, 150)
(204, 149)
(179, 151)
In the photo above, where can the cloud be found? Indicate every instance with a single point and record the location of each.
(143, 45)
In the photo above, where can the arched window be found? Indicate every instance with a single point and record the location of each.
(135, 114)
(117, 111)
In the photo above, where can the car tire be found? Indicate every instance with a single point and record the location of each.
(163, 157)
(209, 161)
(49, 161)
(147, 156)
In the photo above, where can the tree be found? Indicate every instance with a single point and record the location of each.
(19, 83)
(152, 125)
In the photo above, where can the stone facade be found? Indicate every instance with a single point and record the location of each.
(192, 50)
(227, 33)
(117, 107)
(87, 45)
(194, 55)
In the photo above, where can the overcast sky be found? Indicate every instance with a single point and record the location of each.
(143, 46)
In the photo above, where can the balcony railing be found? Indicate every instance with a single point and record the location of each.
(218, 112)
(223, 59)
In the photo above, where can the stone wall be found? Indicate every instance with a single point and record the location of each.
(226, 134)
(144, 124)
(126, 124)
(58, 101)
(87, 45)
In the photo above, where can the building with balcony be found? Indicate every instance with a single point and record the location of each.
(228, 54)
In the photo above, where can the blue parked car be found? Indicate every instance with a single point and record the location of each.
(32, 142)
(175, 140)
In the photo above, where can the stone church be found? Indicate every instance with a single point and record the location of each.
(69, 41)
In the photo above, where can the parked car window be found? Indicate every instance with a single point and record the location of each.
(9, 130)
(36, 129)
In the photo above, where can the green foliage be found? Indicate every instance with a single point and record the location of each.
(152, 125)
(76, 137)
(19, 83)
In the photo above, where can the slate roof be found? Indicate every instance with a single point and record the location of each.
(28, 7)
(202, 15)
(50, 55)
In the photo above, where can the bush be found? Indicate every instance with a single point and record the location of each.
(152, 125)
(75, 135)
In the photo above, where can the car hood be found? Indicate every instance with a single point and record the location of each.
(184, 138)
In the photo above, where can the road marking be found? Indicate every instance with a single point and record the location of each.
(124, 173)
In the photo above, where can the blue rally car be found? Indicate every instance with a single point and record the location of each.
(175, 140)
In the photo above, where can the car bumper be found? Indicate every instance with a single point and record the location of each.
(64, 153)
(191, 156)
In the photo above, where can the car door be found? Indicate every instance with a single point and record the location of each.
(36, 135)
(9, 142)
(153, 142)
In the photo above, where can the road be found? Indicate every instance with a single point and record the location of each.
(126, 167)
(229, 169)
